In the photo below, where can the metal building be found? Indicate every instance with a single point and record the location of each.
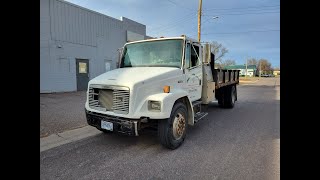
(78, 44)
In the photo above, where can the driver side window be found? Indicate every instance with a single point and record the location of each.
(194, 56)
(191, 57)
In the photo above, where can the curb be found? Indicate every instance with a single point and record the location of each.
(249, 82)
(55, 140)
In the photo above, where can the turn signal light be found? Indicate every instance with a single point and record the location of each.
(166, 89)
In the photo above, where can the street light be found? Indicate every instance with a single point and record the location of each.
(215, 17)
(199, 19)
(199, 27)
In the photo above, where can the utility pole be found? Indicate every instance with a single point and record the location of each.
(246, 67)
(260, 69)
(199, 19)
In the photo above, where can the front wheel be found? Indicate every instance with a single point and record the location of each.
(172, 131)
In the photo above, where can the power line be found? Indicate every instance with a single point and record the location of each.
(258, 10)
(179, 25)
(243, 32)
(207, 19)
(244, 10)
(180, 5)
(241, 8)
(239, 32)
(165, 28)
(231, 14)
(177, 19)
(161, 30)
(173, 22)
(204, 23)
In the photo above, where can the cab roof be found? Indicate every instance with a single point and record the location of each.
(183, 37)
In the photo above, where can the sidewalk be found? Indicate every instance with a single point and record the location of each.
(270, 81)
(59, 139)
(248, 80)
(61, 111)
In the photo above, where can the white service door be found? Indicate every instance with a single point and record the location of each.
(193, 72)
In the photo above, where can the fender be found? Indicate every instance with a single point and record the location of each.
(167, 101)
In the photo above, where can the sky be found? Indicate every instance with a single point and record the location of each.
(247, 28)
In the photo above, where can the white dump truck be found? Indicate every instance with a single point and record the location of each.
(162, 84)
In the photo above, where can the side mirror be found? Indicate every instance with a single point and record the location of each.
(120, 50)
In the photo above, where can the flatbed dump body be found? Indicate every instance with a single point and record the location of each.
(224, 77)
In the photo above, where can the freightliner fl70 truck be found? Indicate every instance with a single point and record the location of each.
(162, 83)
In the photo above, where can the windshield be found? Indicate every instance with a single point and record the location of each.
(166, 53)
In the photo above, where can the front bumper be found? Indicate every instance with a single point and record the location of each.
(120, 125)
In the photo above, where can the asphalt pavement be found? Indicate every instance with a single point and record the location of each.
(238, 143)
(61, 111)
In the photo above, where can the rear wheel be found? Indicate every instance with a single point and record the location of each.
(230, 97)
(172, 131)
(221, 97)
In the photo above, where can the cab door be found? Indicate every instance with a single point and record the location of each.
(193, 71)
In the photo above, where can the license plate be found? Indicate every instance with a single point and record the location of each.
(107, 125)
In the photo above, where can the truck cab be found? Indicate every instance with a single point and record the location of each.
(161, 84)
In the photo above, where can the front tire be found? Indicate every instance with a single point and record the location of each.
(172, 131)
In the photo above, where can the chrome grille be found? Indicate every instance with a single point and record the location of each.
(121, 101)
(93, 101)
(109, 98)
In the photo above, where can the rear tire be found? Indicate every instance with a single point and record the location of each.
(230, 97)
(221, 97)
(172, 131)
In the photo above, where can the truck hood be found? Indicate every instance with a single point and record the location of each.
(133, 75)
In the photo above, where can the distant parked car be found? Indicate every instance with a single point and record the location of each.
(267, 75)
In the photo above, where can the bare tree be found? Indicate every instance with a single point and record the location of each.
(265, 66)
(219, 51)
(227, 63)
(253, 61)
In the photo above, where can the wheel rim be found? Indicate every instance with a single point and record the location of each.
(179, 124)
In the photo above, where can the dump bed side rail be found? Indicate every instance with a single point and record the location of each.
(223, 77)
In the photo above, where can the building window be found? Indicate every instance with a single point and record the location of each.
(108, 65)
(82, 67)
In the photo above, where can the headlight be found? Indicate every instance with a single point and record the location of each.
(154, 106)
